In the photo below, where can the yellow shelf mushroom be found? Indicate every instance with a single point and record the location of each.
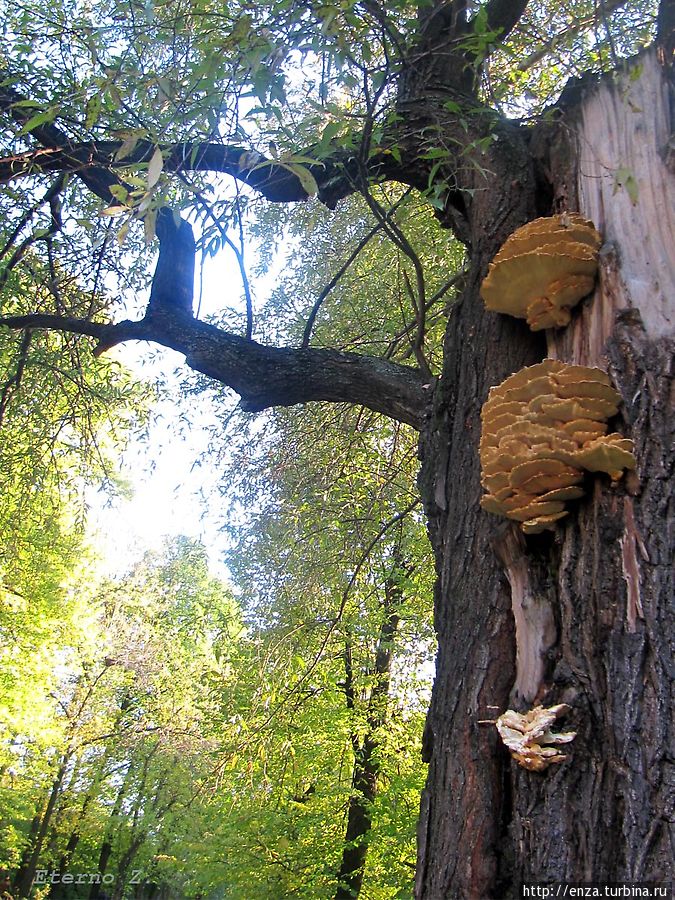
(543, 270)
(542, 429)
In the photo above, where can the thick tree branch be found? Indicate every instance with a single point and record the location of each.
(665, 34)
(50, 136)
(267, 177)
(504, 15)
(262, 376)
(106, 334)
(94, 162)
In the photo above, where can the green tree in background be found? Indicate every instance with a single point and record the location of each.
(134, 724)
(339, 583)
(63, 418)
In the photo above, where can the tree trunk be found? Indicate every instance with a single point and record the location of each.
(24, 878)
(60, 889)
(366, 765)
(124, 864)
(593, 600)
(106, 848)
(27, 851)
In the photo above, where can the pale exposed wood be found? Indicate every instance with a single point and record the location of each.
(623, 133)
(607, 813)
(532, 608)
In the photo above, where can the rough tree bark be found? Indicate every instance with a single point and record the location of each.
(595, 599)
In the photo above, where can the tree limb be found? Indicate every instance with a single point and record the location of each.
(94, 162)
(262, 376)
(97, 179)
(89, 159)
(504, 15)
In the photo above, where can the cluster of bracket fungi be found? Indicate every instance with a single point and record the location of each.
(546, 426)
(542, 429)
(530, 739)
(543, 270)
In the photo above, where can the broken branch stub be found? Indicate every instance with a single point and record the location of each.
(543, 270)
(542, 429)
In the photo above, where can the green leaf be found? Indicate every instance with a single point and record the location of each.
(93, 110)
(123, 231)
(119, 192)
(435, 153)
(149, 222)
(155, 167)
(26, 104)
(307, 180)
(43, 118)
(624, 178)
(330, 132)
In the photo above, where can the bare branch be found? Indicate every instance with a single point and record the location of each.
(12, 384)
(557, 39)
(334, 280)
(262, 376)
(107, 334)
(50, 197)
(238, 253)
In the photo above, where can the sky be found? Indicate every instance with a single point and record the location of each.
(174, 490)
(171, 495)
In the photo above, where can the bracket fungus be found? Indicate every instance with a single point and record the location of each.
(542, 428)
(543, 270)
(529, 737)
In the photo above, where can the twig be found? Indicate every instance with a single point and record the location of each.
(239, 254)
(12, 384)
(341, 271)
(55, 225)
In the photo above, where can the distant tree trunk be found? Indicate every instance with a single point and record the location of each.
(60, 889)
(27, 851)
(366, 766)
(125, 862)
(23, 880)
(106, 848)
(594, 599)
(146, 806)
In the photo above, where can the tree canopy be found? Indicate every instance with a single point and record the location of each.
(129, 111)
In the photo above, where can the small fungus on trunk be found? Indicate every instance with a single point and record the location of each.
(529, 737)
